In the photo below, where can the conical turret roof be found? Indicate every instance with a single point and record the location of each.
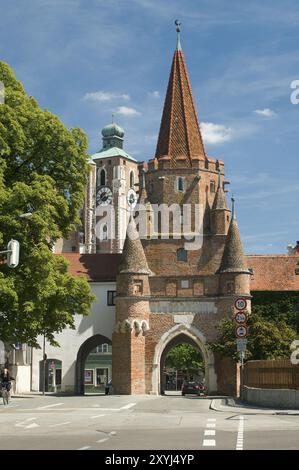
(220, 199)
(133, 258)
(233, 258)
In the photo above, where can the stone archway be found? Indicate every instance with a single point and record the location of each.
(84, 350)
(178, 334)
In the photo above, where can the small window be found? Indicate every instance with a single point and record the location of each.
(74, 249)
(124, 162)
(105, 233)
(181, 255)
(185, 284)
(109, 162)
(103, 178)
(138, 287)
(230, 287)
(180, 184)
(212, 186)
(111, 294)
(131, 179)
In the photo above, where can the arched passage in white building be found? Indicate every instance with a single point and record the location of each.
(89, 375)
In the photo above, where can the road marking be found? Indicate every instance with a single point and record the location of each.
(103, 440)
(33, 425)
(240, 437)
(126, 407)
(211, 419)
(210, 432)
(112, 433)
(49, 406)
(209, 442)
(97, 416)
(211, 425)
(84, 448)
(59, 424)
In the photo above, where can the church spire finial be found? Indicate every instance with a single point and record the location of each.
(178, 30)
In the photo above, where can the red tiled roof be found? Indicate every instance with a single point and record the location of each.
(95, 267)
(179, 135)
(273, 272)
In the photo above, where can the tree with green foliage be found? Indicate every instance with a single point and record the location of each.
(184, 357)
(43, 166)
(269, 338)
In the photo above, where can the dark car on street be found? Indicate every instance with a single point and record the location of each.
(193, 388)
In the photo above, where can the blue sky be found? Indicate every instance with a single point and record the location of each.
(84, 59)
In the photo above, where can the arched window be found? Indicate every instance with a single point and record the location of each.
(105, 232)
(103, 178)
(180, 184)
(131, 179)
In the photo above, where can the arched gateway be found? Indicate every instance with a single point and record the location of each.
(182, 334)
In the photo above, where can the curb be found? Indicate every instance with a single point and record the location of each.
(227, 404)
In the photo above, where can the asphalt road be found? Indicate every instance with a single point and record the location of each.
(139, 422)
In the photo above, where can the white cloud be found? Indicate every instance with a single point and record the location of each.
(265, 112)
(127, 111)
(215, 133)
(105, 96)
(154, 94)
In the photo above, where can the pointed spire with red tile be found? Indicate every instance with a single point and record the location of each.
(179, 135)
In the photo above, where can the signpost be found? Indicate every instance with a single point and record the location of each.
(241, 332)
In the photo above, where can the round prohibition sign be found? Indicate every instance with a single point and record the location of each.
(241, 331)
(241, 304)
(240, 317)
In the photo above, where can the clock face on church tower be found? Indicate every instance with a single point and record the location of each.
(104, 196)
(132, 198)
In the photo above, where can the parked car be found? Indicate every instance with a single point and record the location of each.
(193, 388)
(108, 388)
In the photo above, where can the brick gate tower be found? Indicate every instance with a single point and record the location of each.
(171, 290)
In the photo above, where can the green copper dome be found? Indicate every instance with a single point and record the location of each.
(113, 130)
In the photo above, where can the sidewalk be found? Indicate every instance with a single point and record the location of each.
(230, 405)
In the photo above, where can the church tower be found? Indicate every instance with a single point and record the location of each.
(114, 191)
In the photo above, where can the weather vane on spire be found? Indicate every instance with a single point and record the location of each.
(233, 207)
(178, 30)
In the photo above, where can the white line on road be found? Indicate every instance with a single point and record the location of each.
(97, 416)
(211, 419)
(33, 425)
(84, 448)
(126, 407)
(209, 442)
(210, 432)
(211, 425)
(240, 437)
(49, 406)
(103, 440)
(59, 424)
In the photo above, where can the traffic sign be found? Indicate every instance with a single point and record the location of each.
(240, 317)
(240, 304)
(241, 331)
(241, 344)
